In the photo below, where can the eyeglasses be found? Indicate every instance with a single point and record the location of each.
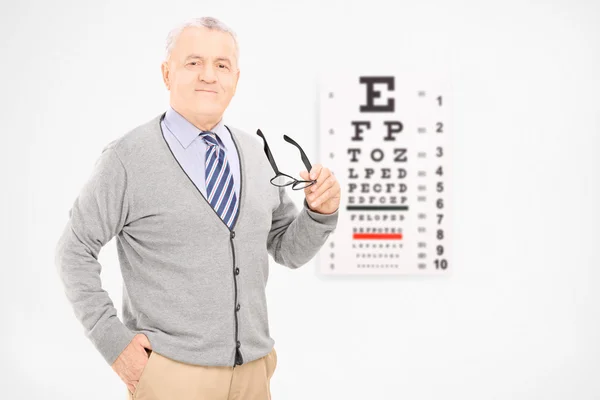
(281, 179)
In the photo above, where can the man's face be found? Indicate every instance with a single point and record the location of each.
(202, 72)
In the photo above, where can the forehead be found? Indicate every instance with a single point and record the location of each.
(204, 41)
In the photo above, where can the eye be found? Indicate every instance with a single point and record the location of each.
(223, 65)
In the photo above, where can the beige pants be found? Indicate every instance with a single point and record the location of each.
(166, 379)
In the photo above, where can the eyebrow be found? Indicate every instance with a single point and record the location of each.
(202, 58)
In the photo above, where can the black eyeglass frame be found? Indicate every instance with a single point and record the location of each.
(295, 182)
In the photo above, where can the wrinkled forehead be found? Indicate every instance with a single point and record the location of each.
(209, 44)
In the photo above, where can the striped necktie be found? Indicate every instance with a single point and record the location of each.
(219, 180)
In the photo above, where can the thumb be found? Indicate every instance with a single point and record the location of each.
(143, 340)
(305, 175)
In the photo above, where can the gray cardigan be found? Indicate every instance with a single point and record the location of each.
(193, 286)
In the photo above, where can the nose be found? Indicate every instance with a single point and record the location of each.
(207, 74)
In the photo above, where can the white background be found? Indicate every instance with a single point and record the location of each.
(517, 319)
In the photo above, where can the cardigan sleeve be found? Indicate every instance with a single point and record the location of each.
(296, 237)
(96, 216)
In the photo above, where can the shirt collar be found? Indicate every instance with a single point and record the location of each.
(185, 131)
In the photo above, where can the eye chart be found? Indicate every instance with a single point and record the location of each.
(387, 139)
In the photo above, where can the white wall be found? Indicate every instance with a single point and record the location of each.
(518, 319)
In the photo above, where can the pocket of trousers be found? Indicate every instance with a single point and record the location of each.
(143, 374)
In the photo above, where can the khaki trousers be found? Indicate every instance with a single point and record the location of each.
(166, 379)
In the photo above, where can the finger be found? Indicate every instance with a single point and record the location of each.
(315, 171)
(306, 176)
(323, 186)
(144, 341)
(132, 385)
(325, 174)
(322, 198)
(331, 192)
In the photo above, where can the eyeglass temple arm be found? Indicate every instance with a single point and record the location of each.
(268, 152)
(307, 163)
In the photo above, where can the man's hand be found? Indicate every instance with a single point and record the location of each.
(323, 196)
(132, 361)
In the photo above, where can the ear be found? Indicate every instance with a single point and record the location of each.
(164, 67)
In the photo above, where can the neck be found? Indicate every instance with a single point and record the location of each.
(200, 121)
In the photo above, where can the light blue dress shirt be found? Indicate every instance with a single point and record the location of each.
(190, 149)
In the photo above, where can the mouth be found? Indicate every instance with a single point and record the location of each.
(207, 91)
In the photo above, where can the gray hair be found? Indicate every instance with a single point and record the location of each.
(207, 22)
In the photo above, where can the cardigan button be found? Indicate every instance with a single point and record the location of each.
(237, 271)
(232, 234)
(238, 344)
(238, 307)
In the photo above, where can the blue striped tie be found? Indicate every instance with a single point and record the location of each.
(219, 180)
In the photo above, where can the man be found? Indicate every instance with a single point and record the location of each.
(195, 215)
